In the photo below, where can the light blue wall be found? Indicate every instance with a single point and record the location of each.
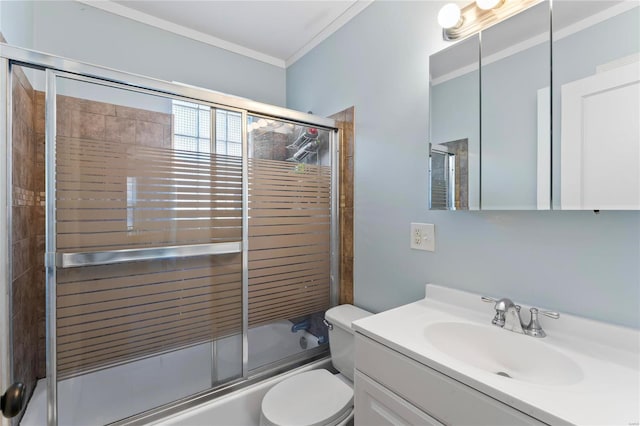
(575, 262)
(16, 22)
(80, 32)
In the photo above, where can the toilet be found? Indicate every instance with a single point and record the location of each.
(318, 397)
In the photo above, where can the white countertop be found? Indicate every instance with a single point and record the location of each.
(608, 355)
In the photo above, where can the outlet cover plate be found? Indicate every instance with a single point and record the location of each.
(423, 236)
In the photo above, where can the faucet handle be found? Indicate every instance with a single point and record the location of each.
(534, 329)
(550, 314)
(488, 299)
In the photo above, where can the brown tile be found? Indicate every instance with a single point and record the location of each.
(20, 294)
(168, 137)
(22, 137)
(25, 323)
(120, 130)
(39, 97)
(36, 297)
(39, 139)
(86, 125)
(39, 245)
(86, 105)
(39, 220)
(63, 121)
(21, 257)
(39, 112)
(347, 140)
(22, 106)
(21, 221)
(346, 232)
(346, 281)
(144, 115)
(346, 189)
(23, 176)
(346, 176)
(39, 180)
(149, 134)
(350, 115)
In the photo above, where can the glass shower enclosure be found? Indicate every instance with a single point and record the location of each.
(190, 240)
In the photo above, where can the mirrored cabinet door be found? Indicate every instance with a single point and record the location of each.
(515, 109)
(596, 105)
(454, 148)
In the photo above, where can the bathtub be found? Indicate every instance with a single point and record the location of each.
(240, 408)
(108, 395)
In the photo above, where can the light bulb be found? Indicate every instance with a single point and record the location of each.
(488, 4)
(449, 16)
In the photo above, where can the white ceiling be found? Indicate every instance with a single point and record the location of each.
(276, 32)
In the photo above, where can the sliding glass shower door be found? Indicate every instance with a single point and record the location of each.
(145, 265)
(289, 244)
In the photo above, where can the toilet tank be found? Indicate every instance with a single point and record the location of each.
(341, 337)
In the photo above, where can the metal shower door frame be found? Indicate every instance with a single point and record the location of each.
(5, 233)
(60, 67)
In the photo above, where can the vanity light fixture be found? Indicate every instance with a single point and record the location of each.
(489, 4)
(459, 23)
(450, 16)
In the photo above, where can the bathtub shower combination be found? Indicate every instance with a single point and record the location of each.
(188, 237)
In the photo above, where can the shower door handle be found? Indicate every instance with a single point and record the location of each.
(13, 399)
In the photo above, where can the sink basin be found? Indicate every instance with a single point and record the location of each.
(505, 353)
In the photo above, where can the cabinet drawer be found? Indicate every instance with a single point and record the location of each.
(378, 406)
(444, 398)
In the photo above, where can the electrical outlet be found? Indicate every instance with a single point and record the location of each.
(423, 236)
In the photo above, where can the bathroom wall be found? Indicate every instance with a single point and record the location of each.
(27, 233)
(16, 22)
(81, 32)
(575, 262)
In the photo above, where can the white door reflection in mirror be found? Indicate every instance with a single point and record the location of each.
(600, 152)
(595, 91)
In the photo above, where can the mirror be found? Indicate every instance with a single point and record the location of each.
(596, 97)
(514, 108)
(493, 108)
(454, 108)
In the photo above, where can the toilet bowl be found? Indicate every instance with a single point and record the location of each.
(318, 397)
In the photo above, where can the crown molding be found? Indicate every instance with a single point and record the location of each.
(127, 12)
(353, 10)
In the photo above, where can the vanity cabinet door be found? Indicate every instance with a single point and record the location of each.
(449, 400)
(376, 406)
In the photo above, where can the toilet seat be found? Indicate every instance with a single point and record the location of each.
(312, 398)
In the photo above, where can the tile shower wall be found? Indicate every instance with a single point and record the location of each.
(345, 122)
(82, 118)
(27, 237)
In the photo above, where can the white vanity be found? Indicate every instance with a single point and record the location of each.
(441, 361)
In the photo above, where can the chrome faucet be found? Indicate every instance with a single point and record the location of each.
(508, 317)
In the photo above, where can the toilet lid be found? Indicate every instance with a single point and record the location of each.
(311, 398)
